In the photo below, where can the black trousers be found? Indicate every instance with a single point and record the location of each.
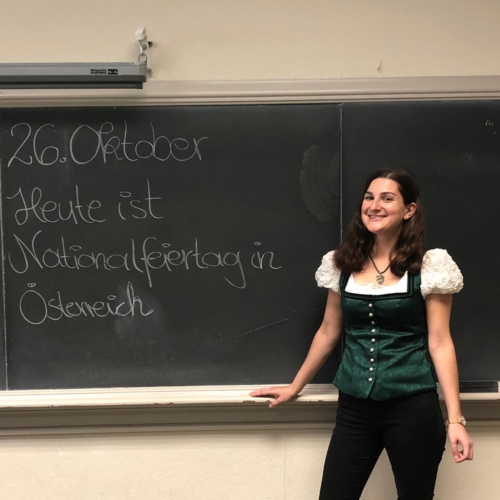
(410, 428)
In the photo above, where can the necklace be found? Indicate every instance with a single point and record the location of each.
(380, 278)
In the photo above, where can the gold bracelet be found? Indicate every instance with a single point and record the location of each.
(460, 420)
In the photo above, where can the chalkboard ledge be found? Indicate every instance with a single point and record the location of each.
(185, 408)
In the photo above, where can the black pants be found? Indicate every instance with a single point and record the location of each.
(410, 428)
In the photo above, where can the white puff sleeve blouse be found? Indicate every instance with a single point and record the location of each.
(439, 274)
(327, 275)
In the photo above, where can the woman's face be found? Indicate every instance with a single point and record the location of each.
(383, 209)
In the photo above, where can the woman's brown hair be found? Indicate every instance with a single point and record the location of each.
(408, 251)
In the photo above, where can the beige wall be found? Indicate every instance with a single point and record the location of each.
(240, 40)
(209, 465)
(261, 39)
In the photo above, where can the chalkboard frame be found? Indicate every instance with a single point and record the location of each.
(164, 93)
(227, 93)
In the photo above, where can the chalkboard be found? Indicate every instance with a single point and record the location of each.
(165, 246)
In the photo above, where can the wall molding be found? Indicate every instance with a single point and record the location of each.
(158, 92)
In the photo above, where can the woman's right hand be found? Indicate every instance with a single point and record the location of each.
(280, 394)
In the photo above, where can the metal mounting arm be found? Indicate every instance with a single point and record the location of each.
(144, 44)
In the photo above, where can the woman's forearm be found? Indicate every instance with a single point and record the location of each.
(445, 363)
(322, 346)
(442, 350)
(443, 355)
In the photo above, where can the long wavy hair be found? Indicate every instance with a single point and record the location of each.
(408, 252)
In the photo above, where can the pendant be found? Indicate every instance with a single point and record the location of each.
(380, 279)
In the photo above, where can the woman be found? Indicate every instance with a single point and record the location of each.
(393, 300)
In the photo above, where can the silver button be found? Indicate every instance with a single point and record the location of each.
(371, 315)
(373, 322)
(370, 305)
(370, 379)
(373, 331)
(372, 360)
(373, 341)
(371, 368)
(372, 349)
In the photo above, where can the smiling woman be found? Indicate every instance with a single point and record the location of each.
(393, 300)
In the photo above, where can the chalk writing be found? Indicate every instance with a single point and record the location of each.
(135, 207)
(36, 309)
(144, 257)
(51, 211)
(87, 144)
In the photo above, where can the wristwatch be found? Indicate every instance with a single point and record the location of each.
(460, 420)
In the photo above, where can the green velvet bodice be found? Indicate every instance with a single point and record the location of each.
(385, 352)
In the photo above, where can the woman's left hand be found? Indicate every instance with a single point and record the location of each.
(458, 436)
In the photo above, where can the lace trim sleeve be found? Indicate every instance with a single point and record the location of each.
(440, 274)
(327, 275)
